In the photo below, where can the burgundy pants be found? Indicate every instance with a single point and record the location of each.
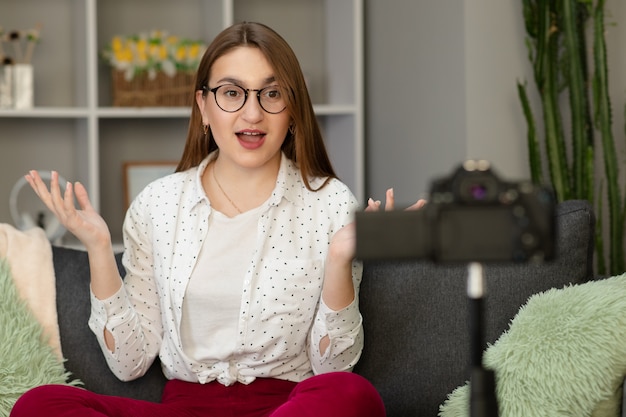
(340, 394)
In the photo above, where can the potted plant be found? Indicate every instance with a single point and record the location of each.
(557, 41)
(153, 69)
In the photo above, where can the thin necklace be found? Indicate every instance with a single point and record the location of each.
(224, 192)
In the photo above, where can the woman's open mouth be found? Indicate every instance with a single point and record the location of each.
(251, 139)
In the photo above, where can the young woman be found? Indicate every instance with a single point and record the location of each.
(240, 271)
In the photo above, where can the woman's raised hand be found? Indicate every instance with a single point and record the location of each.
(390, 203)
(343, 244)
(84, 223)
(338, 290)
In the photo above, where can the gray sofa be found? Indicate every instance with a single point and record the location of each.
(417, 343)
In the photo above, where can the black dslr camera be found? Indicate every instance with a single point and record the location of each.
(471, 216)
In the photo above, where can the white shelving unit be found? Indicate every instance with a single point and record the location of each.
(74, 129)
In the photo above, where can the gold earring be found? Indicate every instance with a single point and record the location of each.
(205, 128)
(292, 129)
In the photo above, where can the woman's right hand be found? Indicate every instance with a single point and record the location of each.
(84, 223)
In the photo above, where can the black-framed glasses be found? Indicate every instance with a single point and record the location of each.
(232, 97)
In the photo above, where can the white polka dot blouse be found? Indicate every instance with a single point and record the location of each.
(281, 314)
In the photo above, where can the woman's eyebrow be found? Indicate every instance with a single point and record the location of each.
(231, 80)
(228, 80)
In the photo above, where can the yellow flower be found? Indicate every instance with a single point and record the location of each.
(153, 52)
(124, 54)
(116, 43)
(181, 52)
(194, 51)
(162, 52)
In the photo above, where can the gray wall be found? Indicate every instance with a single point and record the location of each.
(441, 87)
(414, 95)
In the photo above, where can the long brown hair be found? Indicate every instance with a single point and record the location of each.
(304, 143)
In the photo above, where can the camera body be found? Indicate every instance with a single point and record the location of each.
(471, 216)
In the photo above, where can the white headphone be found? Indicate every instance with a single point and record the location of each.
(24, 221)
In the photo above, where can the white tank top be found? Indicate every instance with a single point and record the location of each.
(213, 296)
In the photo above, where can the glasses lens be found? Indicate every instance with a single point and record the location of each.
(272, 99)
(230, 97)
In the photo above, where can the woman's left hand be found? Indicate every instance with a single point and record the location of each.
(343, 244)
(338, 291)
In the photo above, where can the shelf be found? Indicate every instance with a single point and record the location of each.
(143, 112)
(46, 113)
(334, 110)
(74, 129)
(178, 112)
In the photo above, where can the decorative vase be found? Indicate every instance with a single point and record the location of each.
(16, 86)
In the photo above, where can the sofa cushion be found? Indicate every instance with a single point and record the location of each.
(26, 359)
(583, 324)
(414, 313)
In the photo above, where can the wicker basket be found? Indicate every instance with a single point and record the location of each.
(162, 91)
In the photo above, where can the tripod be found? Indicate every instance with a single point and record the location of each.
(483, 400)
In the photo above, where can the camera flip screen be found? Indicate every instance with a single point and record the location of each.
(476, 234)
(471, 216)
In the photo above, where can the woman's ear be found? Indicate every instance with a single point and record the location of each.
(201, 103)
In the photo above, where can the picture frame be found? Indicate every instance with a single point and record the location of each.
(138, 174)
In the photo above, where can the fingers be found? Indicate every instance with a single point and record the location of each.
(375, 205)
(68, 198)
(389, 200)
(34, 180)
(372, 205)
(417, 205)
(63, 202)
(84, 222)
(56, 202)
(390, 203)
(82, 197)
(41, 189)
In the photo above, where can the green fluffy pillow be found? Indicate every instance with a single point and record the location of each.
(26, 360)
(563, 355)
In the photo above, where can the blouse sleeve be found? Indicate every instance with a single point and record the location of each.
(132, 315)
(343, 327)
(345, 330)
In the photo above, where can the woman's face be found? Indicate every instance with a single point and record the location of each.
(250, 136)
